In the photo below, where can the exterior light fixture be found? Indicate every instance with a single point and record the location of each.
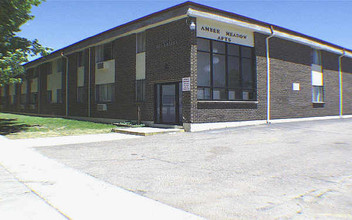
(192, 26)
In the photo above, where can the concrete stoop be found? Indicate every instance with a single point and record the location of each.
(146, 131)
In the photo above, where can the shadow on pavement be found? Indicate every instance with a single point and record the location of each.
(10, 126)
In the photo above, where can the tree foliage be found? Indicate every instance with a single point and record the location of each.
(15, 50)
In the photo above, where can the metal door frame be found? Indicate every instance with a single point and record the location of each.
(159, 120)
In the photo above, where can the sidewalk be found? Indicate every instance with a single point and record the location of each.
(36, 187)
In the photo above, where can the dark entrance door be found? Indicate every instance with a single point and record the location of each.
(168, 103)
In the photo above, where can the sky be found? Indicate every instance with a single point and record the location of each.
(59, 23)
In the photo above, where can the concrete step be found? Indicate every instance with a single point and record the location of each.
(146, 131)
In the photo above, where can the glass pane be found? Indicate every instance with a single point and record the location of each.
(318, 94)
(203, 44)
(247, 73)
(203, 93)
(108, 92)
(140, 42)
(233, 68)
(180, 118)
(219, 71)
(200, 93)
(168, 103)
(245, 95)
(99, 53)
(219, 94)
(80, 58)
(246, 52)
(316, 57)
(233, 49)
(232, 95)
(108, 51)
(158, 103)
(203, 67)
(218, 47)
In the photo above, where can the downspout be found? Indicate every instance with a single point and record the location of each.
(89, 82)
(62, 54)
(340, 82)
(268, 74)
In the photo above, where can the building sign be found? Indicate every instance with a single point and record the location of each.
(224, 32)
(295, 86)
(186, 84)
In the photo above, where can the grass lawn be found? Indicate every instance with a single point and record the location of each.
(21, 126)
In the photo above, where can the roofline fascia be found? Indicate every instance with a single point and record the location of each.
(266, 30)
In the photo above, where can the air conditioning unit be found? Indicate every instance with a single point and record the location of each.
(102, 107)
(22, 107)
(32, 107)
(100, 65)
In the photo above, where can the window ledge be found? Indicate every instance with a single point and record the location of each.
(318, 102)
(213, 101)
(208, 104)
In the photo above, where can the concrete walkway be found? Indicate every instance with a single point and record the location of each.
(33, 186)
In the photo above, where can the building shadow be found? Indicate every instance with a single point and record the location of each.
(10, 126)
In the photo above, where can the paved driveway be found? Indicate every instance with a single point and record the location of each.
(301, 170)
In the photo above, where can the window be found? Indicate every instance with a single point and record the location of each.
(318, 94)
(59, 96)
(59, 65)
(49, 69)
(140, 90)
(23, 99)
(103, 52)
(104, 93)
(80, 59)
(317, 78)
(12, 99)
(33, 98)
(80, 94)
(225, 71)
(49, 95)
(140, 42)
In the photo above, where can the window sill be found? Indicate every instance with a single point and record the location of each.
(318, 104)
(210, 104)
(103, 61)
(219, 101)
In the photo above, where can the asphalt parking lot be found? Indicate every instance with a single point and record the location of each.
(289, 170)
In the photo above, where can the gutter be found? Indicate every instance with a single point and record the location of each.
(62, 54)
(341, 82)
(268, 92)
(89, 75)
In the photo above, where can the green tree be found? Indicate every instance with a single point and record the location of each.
(15, 50)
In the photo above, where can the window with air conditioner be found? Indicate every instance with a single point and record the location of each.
(140, 66)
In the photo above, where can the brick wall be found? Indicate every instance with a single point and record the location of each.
(168, 53)
(171, 54)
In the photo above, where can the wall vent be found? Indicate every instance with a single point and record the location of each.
(100, 65)
(102, 107)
